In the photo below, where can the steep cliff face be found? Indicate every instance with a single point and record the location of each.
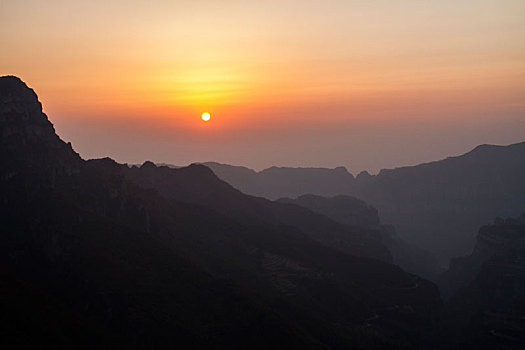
(503, 239)
(487, 307)
(95, 253)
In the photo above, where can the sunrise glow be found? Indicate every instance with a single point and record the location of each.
(305, 82)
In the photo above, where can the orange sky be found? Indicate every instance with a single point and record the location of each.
(364, 84)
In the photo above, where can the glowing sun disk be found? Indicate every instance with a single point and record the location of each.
(206, 116)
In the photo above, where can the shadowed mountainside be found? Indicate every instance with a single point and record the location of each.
(96, 254)
(437, 205)
(354, 212)
(198, 184)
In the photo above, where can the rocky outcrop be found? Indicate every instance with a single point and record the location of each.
(501, 240)
(28, 142)
(487, 307)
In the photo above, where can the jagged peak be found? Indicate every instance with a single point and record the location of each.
(11, 80)
(489, 148)
(483, 148)
(106, 161)
(12, 85)
(148, 165)
(340, 170)
(28, 137)
(201, 168)
(363, 175)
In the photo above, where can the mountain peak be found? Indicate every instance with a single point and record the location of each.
(9, 83)
(28, 138)
(486, 148)
(148, 165)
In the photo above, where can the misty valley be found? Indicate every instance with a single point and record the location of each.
(97, 254)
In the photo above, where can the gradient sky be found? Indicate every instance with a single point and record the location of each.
(364, 84)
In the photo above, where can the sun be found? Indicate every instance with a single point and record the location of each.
(206, 116)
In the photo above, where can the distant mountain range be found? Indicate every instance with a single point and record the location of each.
(95, 254)
(437, 206)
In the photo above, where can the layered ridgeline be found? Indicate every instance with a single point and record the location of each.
(487, 288)
(436, 206)
(97, 253)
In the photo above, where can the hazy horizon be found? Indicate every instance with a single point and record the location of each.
(355, 173)
(362, 84)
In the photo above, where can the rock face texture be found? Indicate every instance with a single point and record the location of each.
(487, 307)
(504, 239)
(28, 141)
(96, 254)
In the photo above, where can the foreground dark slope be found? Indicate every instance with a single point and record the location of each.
(435, 205)
(91, 256)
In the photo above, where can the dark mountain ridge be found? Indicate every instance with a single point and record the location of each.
(97, 254)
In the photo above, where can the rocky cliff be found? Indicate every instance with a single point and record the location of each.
(487, 307)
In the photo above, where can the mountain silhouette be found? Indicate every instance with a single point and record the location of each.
(97, 254)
